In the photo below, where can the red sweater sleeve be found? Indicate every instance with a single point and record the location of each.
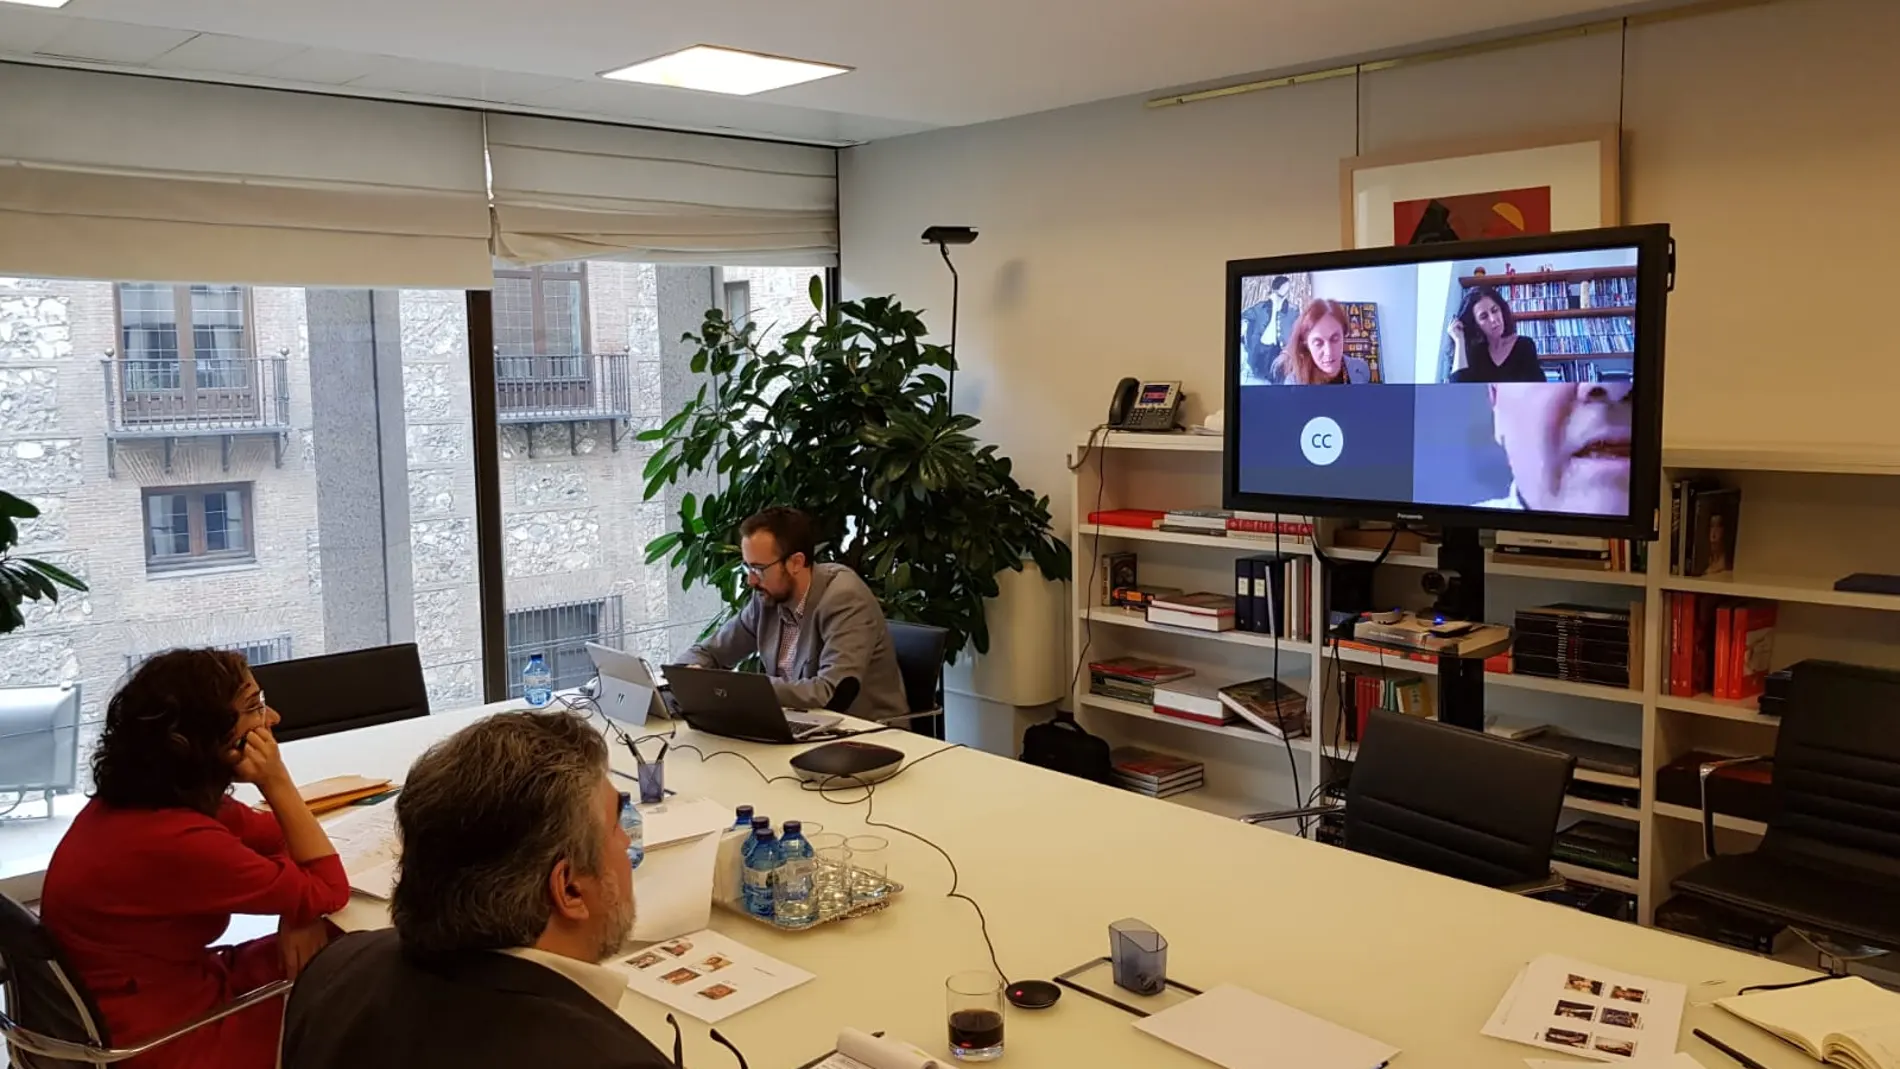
(218, 871)
(259, 831)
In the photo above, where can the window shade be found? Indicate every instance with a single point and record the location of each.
(110, 176)
(571, 190)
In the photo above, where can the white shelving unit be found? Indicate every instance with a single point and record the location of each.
(1787, 495)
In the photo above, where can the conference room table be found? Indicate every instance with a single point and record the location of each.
(1409, 958)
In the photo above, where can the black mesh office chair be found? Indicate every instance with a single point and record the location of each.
(919, 649)
(1829, 865)
(1452, 801)
(341, 691)
(50, 1020)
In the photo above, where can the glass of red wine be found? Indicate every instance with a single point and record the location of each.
(975, 1004)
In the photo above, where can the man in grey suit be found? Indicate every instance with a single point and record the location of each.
(812, 625)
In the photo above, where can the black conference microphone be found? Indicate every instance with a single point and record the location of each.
(844, 694)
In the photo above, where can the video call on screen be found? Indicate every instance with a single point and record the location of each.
(1502, 384)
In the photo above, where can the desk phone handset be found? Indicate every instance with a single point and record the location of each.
(1144, 406)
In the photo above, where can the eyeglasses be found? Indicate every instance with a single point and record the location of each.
(679, 1049)
(757, 571)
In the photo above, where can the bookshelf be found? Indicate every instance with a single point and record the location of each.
(1788, 494)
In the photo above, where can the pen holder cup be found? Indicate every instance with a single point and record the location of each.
(1139, 955)
(652, 774)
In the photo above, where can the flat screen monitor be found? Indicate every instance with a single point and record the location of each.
(1506, 385)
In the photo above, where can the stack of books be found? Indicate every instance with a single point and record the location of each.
(1211, 522)
(1580, 643)
(1400, 692)
(1132, 679)
(1719, 646)
(1573, 551)
(1274, 708)
(1197, 700)
(1198, 612)
(1595, 844)
(1272, 595)
(1156, 775)
(1281, 532)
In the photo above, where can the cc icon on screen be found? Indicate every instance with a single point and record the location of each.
(1322, 441)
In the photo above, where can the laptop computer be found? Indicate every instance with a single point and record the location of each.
(741, 705)
(628, 690)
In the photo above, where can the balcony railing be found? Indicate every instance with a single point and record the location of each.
(188, 398)
(556, 389)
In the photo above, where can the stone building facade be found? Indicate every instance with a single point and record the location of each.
(356, 513)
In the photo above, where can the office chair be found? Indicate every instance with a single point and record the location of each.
(1452, 801)
(341, 691)
(51, 1021)
(1829, 864)
(919, 649)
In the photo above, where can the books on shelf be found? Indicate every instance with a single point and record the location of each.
(1196, 699)
(1286, 531)
(1139, 597)
(1401, 693)
(1272, 595)
(1197, 521)
(1117, 570)
(1157, 775)
(1273, 707)
(1704, 519)
(1140, 519)
(1199, 612)
(1595, 644)
(1571, 551)
(1718, 646)
(1598, 845)
(1132, 679)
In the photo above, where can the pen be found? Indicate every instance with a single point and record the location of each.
(1747, 1062)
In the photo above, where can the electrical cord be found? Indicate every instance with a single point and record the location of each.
(1095, 561)
(825, 789)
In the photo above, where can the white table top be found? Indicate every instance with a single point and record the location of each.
(1410, 958)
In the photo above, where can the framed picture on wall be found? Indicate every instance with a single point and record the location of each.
(1500, 187)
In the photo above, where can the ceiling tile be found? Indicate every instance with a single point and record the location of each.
(217, 53)
(423, 78)
(113, 42)
(512, 88)
(23, 30)
(322, 66)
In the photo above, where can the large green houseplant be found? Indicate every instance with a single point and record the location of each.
(24, 578)
(846, 418)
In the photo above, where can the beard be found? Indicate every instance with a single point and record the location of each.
(616, 925)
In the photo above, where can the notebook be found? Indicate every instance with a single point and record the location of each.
(1233, 1027)
(1849, 1022)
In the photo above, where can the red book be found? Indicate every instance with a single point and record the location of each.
(1702, 675)
(1139, 669)
(1724, 620)
(1183, 714)
(1754, 646)
(1145, 519)
(1678, 646)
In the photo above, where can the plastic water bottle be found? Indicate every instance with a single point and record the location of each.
(742, 818)
(635, 826)
(792, 903)
(537, 683)
(760, 864)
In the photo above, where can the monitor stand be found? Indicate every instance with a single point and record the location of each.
(1461, 679)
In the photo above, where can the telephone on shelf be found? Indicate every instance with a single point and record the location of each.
(1144, 406)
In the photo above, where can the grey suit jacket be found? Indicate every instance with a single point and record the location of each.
(844, 635)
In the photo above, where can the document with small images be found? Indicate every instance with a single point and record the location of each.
(707, 975)
(1586, 1010)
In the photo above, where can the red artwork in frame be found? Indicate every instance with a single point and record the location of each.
(1472, 216)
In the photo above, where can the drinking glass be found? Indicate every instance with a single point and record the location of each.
(870, 867)
(974, 1003)
(831, 882)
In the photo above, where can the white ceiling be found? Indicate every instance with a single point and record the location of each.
(919, 64)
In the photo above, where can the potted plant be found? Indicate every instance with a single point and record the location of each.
(24, 579)
(846, 418)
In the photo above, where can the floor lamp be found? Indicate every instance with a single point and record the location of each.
(943, 237)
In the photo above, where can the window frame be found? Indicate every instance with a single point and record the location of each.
(198, 534)
(609, 630)
(537, 277)
(181, 319)
(188, 400)
(741, 288)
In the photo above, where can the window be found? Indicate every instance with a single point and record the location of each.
(186, 351)
(540, 311)
(560, 634)
(738, 302)
(197, 526)
(256, 651)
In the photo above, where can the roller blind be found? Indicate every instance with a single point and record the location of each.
(110, 176)
(571, 190)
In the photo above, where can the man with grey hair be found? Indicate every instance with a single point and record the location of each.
(514, 884)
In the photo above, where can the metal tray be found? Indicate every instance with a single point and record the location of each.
(864, 909)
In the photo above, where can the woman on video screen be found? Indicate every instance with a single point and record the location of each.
(1484, 342)
(1316, 355)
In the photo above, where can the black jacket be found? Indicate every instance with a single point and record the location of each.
(361, 1004)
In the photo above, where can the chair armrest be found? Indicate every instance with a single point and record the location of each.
(1703, 772)
(1292, 814)
(1552, 882)
(274, 989)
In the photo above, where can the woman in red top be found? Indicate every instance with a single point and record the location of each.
(161, 857)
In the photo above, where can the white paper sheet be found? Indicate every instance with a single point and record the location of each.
(366, 843)
(1679, 1060)
(707, 975)
(1585, 1010)
(673, 890)
(1226, 1026)
(677, 819)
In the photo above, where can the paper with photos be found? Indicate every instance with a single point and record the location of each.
(706, 975)
(1588, 1011)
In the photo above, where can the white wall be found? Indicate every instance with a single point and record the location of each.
(1766, 136)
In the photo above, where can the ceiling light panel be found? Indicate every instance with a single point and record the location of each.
(712, 69)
